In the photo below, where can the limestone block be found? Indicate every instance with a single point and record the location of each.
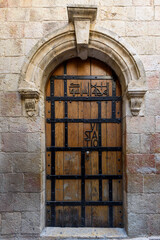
(151, 62)
(145, 146)
(115, 26)
(157, 123)
(29, 44)
(145, 124)
(30, 222)
(135, 183)
(141, 163)
(142, 45)
(13, 3)
(152, 183)
(157, 12)
(152, 103)
(3, 3)
(3, 124)
(17, 14)
(117, 13)
(11, 223)
(157, 39)
(133, 143)
(157, 2)
(136, 29)
(122, 2)
(25, 3)
(153, 28)
(13, 182)
(153, 223)
(137, 224)
(6, 164)
(27, 163)
(10, 82)
(2, 14)
(34, 142)
(26, 201)
(144, 13)
(2, 183)
(155, 140)
(14, 47)
(32, 182)
(142, 2)
(48, 14)
(12, 30)
(10, 104)
(14, 142)
(23, 124)
(142, 203)
(157, 159)
(6, 200)
(33, 30)
(153, 80)
(49, 27)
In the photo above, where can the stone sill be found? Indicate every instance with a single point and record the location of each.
(83, 233)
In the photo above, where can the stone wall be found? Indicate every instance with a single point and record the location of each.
(22, 138)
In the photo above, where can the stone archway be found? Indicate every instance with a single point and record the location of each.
(62, 45)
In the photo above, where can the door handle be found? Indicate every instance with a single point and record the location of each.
(87, 155)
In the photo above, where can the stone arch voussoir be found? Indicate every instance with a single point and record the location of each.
(61, 45)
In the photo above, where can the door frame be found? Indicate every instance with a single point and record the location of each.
(105, 46)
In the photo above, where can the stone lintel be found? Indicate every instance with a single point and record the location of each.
(135, 97)
(79, 12)
(81, 17)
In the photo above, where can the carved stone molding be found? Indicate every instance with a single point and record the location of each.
(30, 103)
(135, 97)
(82, 17)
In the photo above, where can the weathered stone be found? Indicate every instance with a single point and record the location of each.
(133, 143)
(142, 203)
(30, 222)
(142, 2)
(3, 124)
(3, 3)
(153, 79)
(17, 14)
(137, 224)
(117, 13)
(11, 223)
(134, 183)
(34, 142)
(48, 14)
(157, 13)
(14, 47)
(145, 146)
(153, 223)
(144, 13)
(157, 159)
(2, 14)
(10, 82)
(155, 140)
(14, 142)
(136, 29)
(152, 183)
(33, 30)
(32, 182)
(6, 200)
(26, 201)
(27, 163)
(2, 183)
(140, 163)
(145, 124)
(13, 182)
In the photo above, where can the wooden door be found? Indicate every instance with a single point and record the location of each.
(83, 146)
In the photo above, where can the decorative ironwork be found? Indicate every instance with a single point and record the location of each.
(89, 90)
(83, 92)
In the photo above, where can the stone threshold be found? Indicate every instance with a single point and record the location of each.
(50, 233)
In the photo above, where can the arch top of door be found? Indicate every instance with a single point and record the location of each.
(61, 45)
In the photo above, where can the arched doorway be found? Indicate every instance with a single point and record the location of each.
(83, 142)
